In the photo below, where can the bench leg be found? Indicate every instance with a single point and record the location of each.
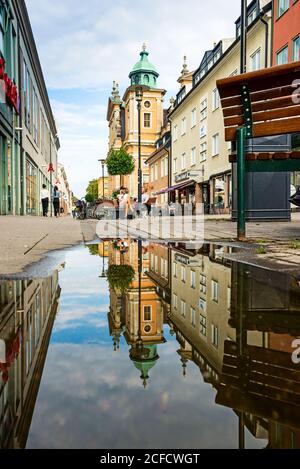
(241, 140)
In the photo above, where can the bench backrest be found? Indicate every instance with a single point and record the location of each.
(266, 101)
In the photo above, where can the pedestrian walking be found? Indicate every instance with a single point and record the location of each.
(56, 201)
(45, 197)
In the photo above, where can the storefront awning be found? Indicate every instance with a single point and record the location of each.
(182, 185)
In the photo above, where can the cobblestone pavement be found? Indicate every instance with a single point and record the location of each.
(26, 240)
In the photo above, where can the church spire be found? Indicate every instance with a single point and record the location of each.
(144, 72)
(184, 70)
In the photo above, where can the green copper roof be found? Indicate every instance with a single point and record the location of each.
(145, 365)
(144, 72)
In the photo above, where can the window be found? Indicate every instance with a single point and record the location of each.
(283, 56)
(215, 145)
(183, 161)
(203, 288)
(251, 16)
(183, 126)
(193, 156)
(256, 60)
(183, 308)
(175, 301)
(166, 166)
(193, 279)
(147, 120)
(156, 264)
(175, 133)
(202, 305)
(229, 298)
(282, 7)
(203, 151)
(215, 291)
(156, 171)
(193, 117)
(216, 99)
(174, 269)
(183, 274)
(203, 109)
(202, 325)
(296, 49)
(147, 313)
(193, 317)
(215, 336)
(175, 165)
(152, 172)
(162, 168)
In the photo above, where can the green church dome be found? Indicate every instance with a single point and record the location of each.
(144, 72)
(145, 362)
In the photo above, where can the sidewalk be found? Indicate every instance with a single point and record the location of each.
(25, 240)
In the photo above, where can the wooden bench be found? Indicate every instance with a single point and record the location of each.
(263, 382)
(263, 103)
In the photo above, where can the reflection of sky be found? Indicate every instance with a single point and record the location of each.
(91, 397)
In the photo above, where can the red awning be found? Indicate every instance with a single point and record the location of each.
(182, 185)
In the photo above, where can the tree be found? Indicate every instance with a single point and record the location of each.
(120, 163)
(92, 191)
(120, 277)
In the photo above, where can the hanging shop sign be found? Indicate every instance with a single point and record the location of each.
(9, 89)
(51, 168)
(194, 175)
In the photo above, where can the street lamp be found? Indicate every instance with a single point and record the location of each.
(139, 91)
(103, 162)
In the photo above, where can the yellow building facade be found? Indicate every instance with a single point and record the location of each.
(200, 155)
(122, 117)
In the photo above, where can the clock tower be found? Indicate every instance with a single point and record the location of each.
(152, 118)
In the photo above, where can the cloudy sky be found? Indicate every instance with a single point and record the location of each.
(84, 46)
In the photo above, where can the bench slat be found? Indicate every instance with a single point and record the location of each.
(267, 129)
(265, 116)
(262, 95)
(273, 77)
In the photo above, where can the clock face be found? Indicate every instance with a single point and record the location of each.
(147, 104)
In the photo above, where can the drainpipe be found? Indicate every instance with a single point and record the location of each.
(262, 19)
(170, 163)
(22, 208)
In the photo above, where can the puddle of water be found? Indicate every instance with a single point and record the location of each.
(137, 345)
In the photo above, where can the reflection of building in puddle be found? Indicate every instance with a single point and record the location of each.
(27, 312)
(263, 380)
(135, 311)
(237, 323)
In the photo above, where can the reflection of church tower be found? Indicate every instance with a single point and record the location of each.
(144, 359)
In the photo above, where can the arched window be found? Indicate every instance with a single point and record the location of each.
(146, 79)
